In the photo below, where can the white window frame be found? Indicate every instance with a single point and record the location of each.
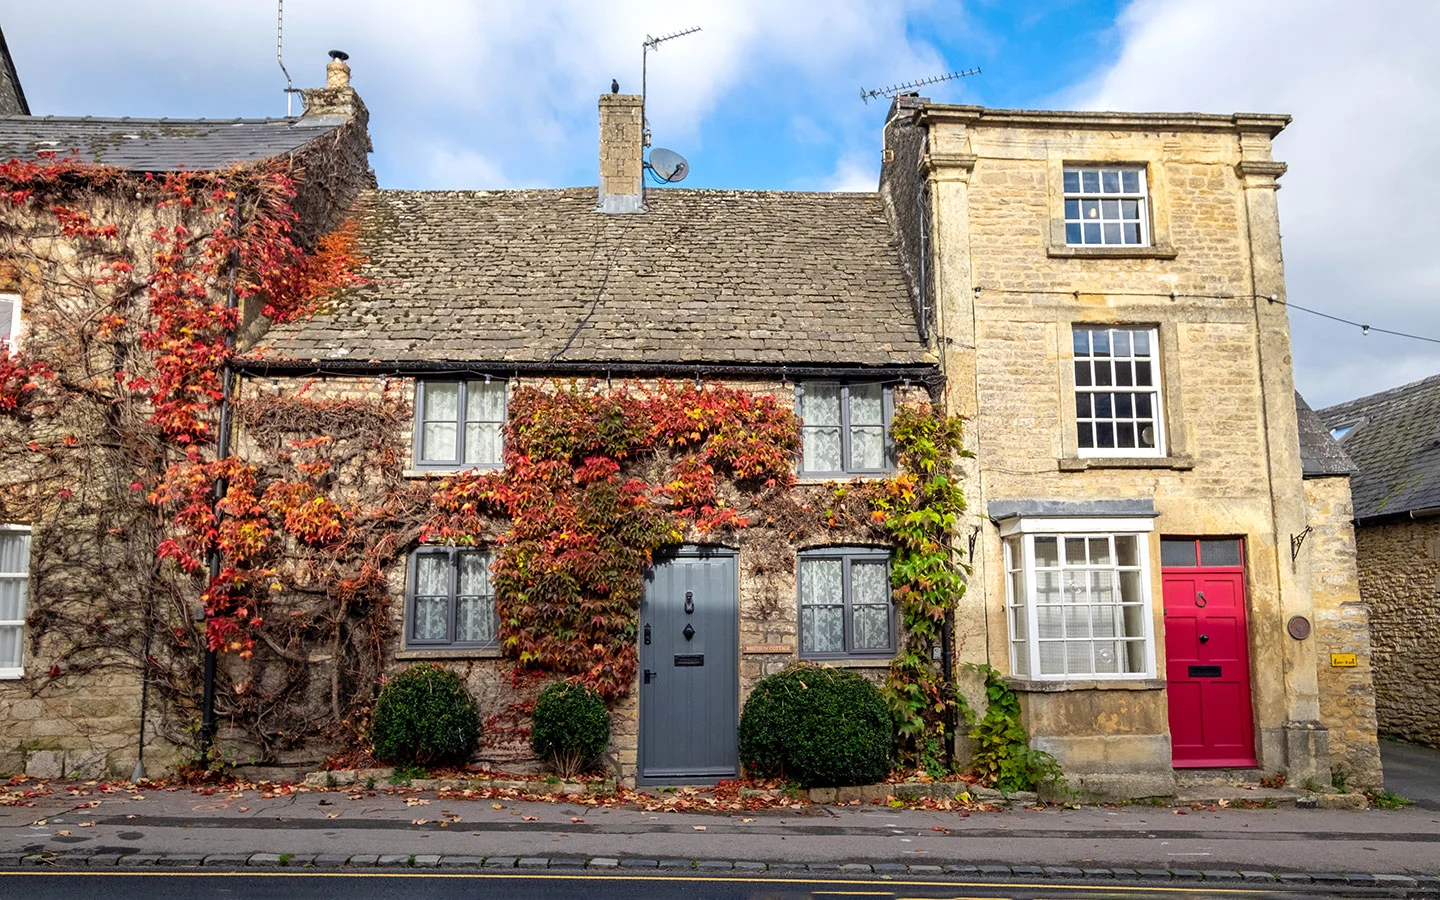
(1142, 196)
(13, 672)
(1027, 529)
(13, 344)
(1156, 376)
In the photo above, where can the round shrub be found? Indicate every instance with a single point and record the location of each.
(816, 727)
(571, 726)
(424, 717)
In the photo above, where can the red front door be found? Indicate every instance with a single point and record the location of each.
(1207, 657)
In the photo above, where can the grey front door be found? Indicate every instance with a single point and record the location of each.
(689, 662)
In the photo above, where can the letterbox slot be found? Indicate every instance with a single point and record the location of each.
(689, 659)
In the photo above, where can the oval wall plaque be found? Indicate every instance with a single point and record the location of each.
(1299, 627)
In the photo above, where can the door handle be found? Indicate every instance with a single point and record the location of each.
(1204, 638)
(649, 675)
(647, 632)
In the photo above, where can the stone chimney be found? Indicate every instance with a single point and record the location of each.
(337, 97)
(622, 173)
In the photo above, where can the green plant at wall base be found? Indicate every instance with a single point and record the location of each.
(1003, 755)
(571, 726)
(1387, 800)
(425, 717)
(919, 508)
(816, 726)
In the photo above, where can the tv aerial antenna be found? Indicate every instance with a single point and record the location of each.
(666, 166)
(894, 89)
(290, 90)
(652, 43)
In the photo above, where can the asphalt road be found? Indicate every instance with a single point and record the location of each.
(381, 886)
(1412, 771)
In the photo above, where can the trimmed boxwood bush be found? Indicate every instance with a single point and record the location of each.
(424, 717)
(571, 726)
(816, 726)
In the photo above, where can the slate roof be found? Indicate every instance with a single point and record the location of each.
(12, 96)
(1320, 453)
(539, 277)
(160, 145)
(1394, 439)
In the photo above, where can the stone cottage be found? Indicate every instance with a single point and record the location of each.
(1100, 295)
(1394, 439)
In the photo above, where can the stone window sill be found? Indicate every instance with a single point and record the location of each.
(853, 662)
(451, 653)
(1039, 686)
(1063, 251)
(1084, 463)
(445, 473)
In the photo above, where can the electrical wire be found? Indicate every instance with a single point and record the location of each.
(1176, 295)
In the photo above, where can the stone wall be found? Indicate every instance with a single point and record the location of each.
(1342, 626)
(1400, 581)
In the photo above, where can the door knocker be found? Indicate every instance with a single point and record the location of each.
(1200, 599)
(689, 602)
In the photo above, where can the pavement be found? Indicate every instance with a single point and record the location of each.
(1412, 771)
(397, 828)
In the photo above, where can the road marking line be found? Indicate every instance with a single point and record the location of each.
(599, 876)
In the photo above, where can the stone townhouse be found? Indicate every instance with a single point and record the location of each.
(1151, 569)
(1394, 439)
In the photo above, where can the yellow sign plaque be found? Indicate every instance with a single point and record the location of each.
(1342, 660)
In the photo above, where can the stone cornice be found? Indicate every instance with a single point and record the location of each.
(1041, 118)
(937, 161)
(1261, 168)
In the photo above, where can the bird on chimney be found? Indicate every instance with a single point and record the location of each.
(614, 86)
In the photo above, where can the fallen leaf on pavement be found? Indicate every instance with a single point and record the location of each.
(38, 822)
(332, 815)
(530, 818)
(497, 806)
(416, 801)
(242, 809)
(62, 832)
(418, 821)
(747, 820)
(576, 819)
(86, 825)
(699, 827)
(1182, 812)
(939, 829)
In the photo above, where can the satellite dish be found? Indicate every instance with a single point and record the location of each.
(668, 165)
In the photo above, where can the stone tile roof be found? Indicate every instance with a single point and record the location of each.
(160, 145)
(537, 276)
(1320, 453)
(1394, 439)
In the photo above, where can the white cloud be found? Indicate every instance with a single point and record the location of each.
(1360, 206)
(514, 82)
(854, 172)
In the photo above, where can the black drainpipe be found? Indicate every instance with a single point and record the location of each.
(207, 696)
(947, 662)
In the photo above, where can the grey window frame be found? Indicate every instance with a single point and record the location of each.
(452, 556)
(418, 461)
(846, 555)
(887, 413)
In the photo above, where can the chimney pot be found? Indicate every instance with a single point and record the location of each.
(337, 73)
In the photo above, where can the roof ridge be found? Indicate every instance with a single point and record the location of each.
(590, 188)
(1389, 395)
(167, 120)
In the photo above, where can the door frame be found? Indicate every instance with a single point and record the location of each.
(1248, 643)
(666, 555)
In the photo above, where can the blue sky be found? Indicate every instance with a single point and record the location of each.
(467, 94)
